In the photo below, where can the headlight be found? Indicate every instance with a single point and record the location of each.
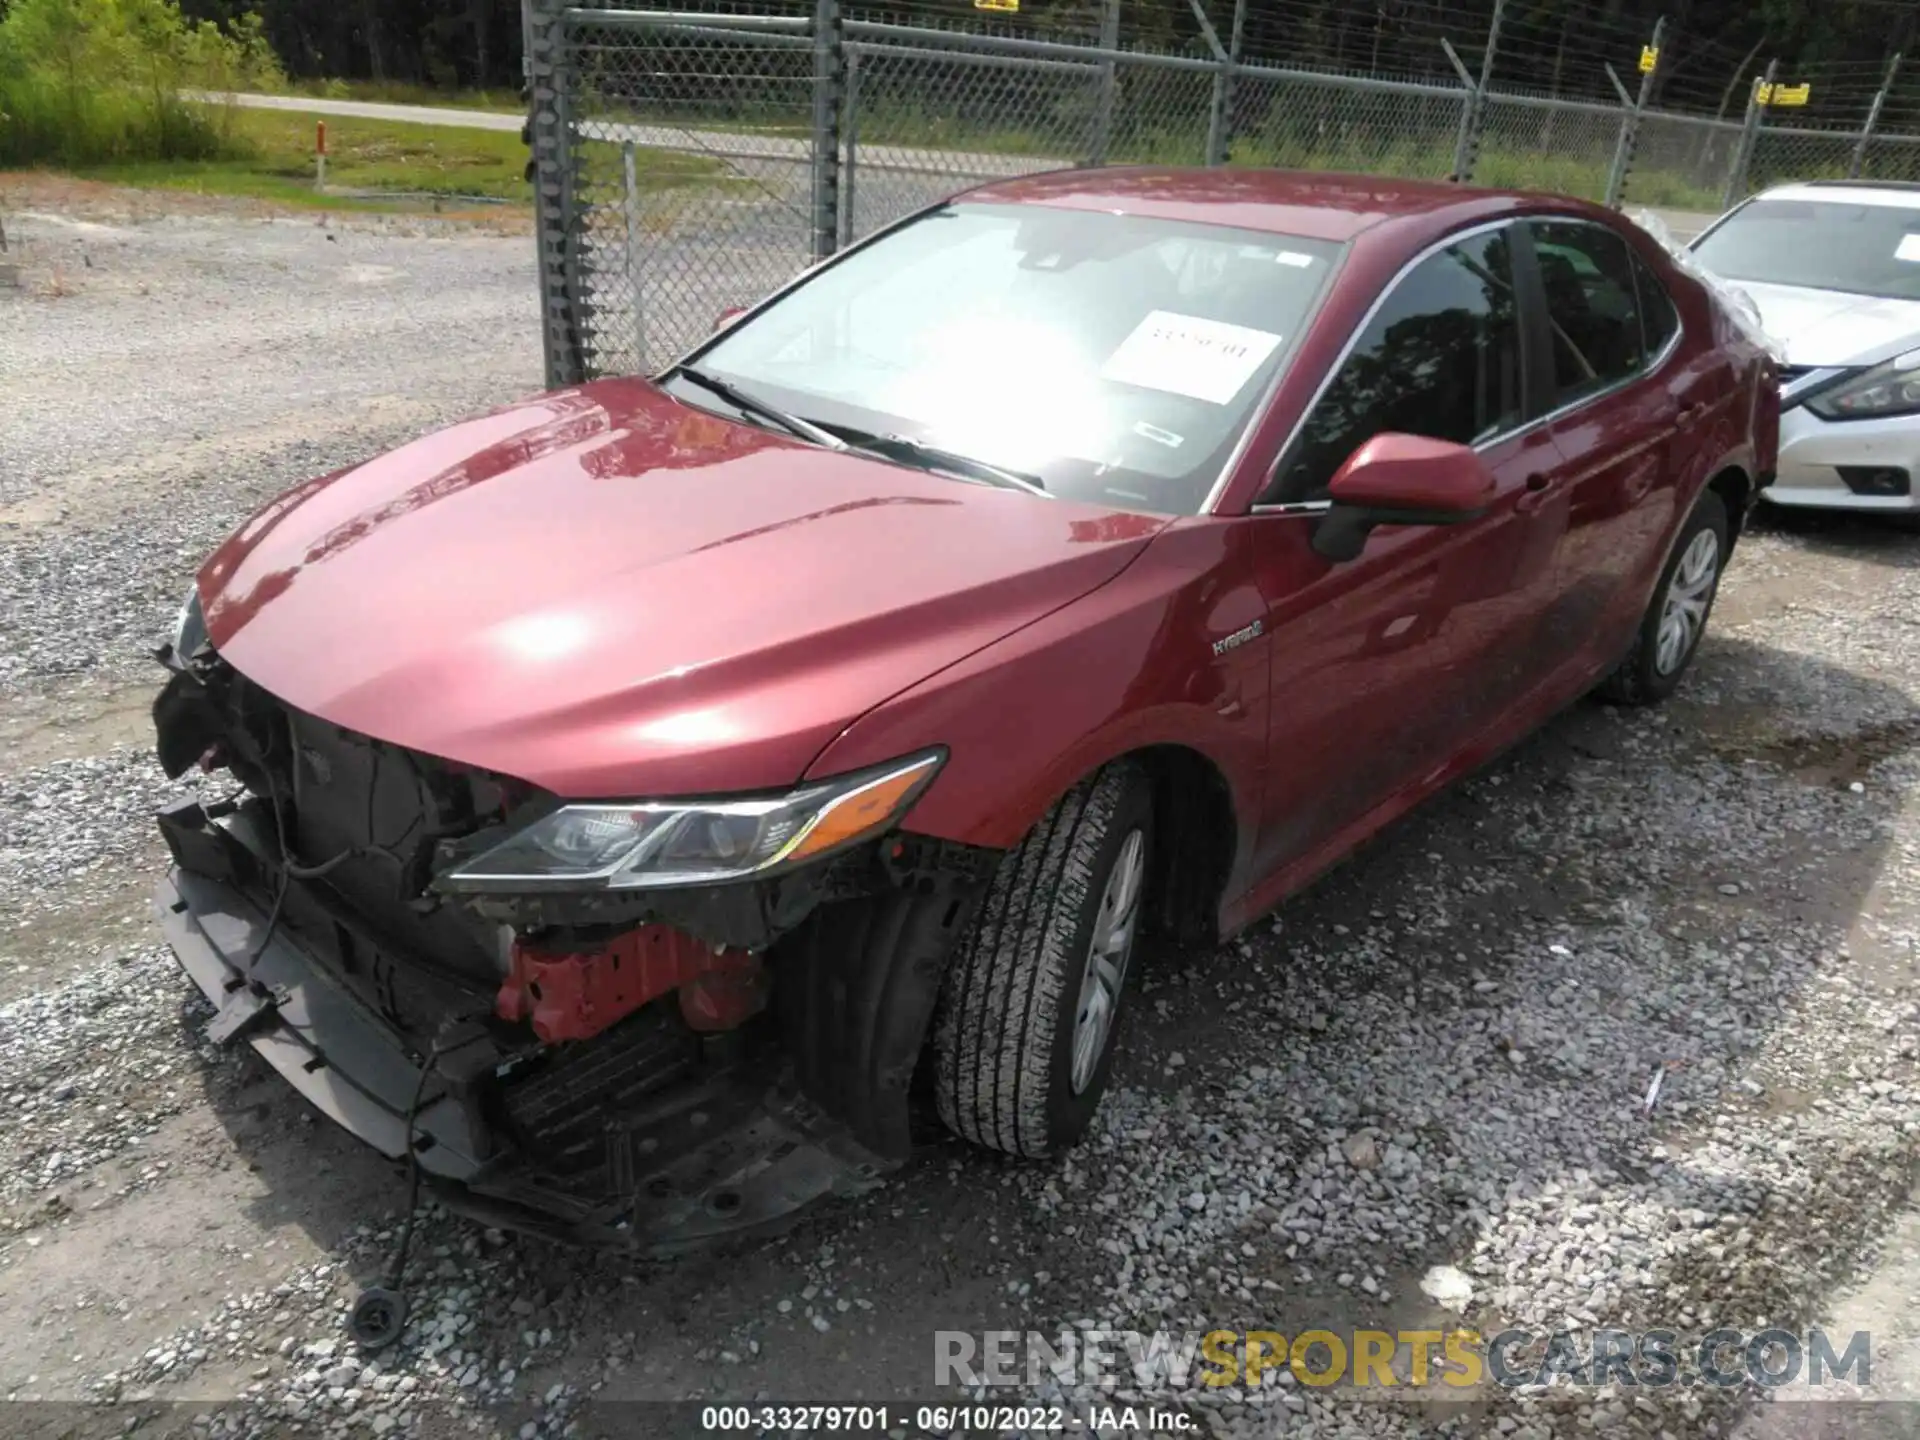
(1889, 389)
(646, 844)
(190, 628)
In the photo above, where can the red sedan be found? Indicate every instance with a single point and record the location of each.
(653, 787)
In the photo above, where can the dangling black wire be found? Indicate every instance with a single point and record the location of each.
(379, 1314)
(397, 1263)
(385, 1312)
(289, 871)
(285, 877)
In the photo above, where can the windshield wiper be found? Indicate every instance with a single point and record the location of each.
(747, 403)
(910, 451)
(843, 437)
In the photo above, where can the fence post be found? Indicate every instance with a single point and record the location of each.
(1749, 135)
(829, 70)
(1463, 137)
(850, 140)
(555, 224)
(1630, 121)
(1109, 84)
(1873, 118)
(1219, 114)
(1466, 145)
(1480, 90)
(630, 200)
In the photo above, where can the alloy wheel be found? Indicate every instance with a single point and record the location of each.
(1107, 956)
(1689, 593)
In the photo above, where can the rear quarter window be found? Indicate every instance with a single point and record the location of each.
(1659, 317)
(1587, 273)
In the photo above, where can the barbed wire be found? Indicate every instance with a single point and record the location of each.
(1565, 53)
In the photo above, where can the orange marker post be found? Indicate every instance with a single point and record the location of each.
(320, 154)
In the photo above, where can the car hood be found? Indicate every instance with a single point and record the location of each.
(1829, 327)
(606, 592)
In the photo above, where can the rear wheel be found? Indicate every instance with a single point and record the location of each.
(1671, 630)
(1023, 1039)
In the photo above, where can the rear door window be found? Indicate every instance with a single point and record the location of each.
(1593, 312)
(1440, 358)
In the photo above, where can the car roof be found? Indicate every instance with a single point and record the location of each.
(1309, 204)
(1849, 192)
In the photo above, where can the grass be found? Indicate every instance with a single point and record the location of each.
(371, 163)
(1283, 144)
(43, 121)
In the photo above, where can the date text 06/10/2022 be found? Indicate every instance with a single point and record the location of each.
(946, 1419)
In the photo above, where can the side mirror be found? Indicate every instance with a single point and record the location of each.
(1401, 480)
(727, 317)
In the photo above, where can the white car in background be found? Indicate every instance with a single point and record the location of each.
(1834, 270)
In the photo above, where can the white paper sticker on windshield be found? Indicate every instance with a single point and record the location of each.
(1158, 436)
(1908, 249)
(1294, 258)
(1184, 355)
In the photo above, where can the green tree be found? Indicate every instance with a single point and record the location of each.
(83, 81)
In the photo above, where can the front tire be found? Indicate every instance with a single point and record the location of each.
(1676, 620)
(1024, 1034)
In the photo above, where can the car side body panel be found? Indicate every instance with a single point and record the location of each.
(1715, 411)
(1161, 655)
(1471, 751)
(1388, 712)
(1383, 662)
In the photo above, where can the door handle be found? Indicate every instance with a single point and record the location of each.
(1539, 486)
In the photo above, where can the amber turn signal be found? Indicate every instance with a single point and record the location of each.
(861, 811)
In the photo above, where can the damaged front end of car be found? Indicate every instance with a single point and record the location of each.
(642, 1025)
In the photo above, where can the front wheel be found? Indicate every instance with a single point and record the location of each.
(1675, 621)
(1023, 1038)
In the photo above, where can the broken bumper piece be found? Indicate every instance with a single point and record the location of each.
(634, 1140)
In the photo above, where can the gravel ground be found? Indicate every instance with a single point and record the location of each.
(175, 372)
(1416, 1095)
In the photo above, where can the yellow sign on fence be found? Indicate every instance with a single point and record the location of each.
(1649, 57)
(1782, 94)
(1011, 7)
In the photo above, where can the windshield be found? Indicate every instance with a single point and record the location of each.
(1113, 359)
(1821, 244)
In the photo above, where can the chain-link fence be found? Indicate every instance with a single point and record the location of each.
(1798, 153)
(1681, 162)
(1892, 157)
(1334, 122)
(1533, 143)
(691, 162)
(918, 124)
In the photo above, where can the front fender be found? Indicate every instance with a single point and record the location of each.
(1128, 667)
